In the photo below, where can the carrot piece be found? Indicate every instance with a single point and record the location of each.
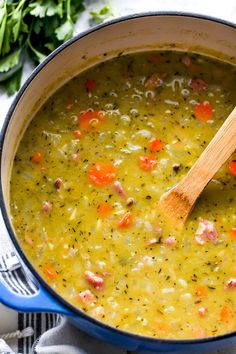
(201, 291)
(77, 134)
(232, 167)
(156, 145)
(162, 329)
(203, 111)
(37, 157)
(154, 58)
(147, 162)
(226, 313)
(126, 220)
(50, 272)
(102, 173)
(91, 120)
(232, 233)
(103, 209)
(90, 85)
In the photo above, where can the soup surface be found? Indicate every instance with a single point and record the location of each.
(86, 180)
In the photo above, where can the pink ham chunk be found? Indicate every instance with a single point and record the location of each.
(86, 296)
(206, 232)
(93, 279)
(230, 284)
(47, 207)
(118, 189)
(186, 60)
(198, 85)
(202, 311)
(170, 241)
(29, 240)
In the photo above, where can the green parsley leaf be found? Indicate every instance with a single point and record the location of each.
(34, 27)
(9, 61)
(37, 9)
(39, 56)
(103, 14)
(12, 85)
(16, 20)
(3, 20)
(65, 31)
(6, 39)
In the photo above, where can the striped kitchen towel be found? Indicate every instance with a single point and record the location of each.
(18, 329)
(32, 333)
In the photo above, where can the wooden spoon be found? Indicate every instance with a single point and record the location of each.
(178, 202)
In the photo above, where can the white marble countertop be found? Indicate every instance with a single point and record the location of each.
(221, 9)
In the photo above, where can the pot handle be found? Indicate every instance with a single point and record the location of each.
(21, 292)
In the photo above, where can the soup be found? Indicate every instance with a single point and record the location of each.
(86, 179)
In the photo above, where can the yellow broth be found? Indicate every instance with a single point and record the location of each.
(84, 190)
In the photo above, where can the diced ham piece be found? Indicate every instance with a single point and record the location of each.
(206, 231)
(198, 85)
(186, 60)
(119, 190)
(231, 284)
(200, 239)
(170, 241)
(202, 311)
(93, 279)
(29, 240)
(154, 81)
(43, 169)
(47, 207)
(75, 157)
(86, 296)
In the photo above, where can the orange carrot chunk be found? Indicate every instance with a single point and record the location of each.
(156, 145)
(232, 233)
(203, 111)
(103, 209)
(126, 220)
(37, 157)
(232, 167)
(147, 162)
(201, 291)
(102, 173)
(50, 272)
(91, 120)
(226, 313)
(77, 134)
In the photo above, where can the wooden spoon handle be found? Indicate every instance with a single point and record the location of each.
(216, 153)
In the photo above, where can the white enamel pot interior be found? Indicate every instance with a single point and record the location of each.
(142, 32)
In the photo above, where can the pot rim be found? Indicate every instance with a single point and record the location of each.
(6, 218)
